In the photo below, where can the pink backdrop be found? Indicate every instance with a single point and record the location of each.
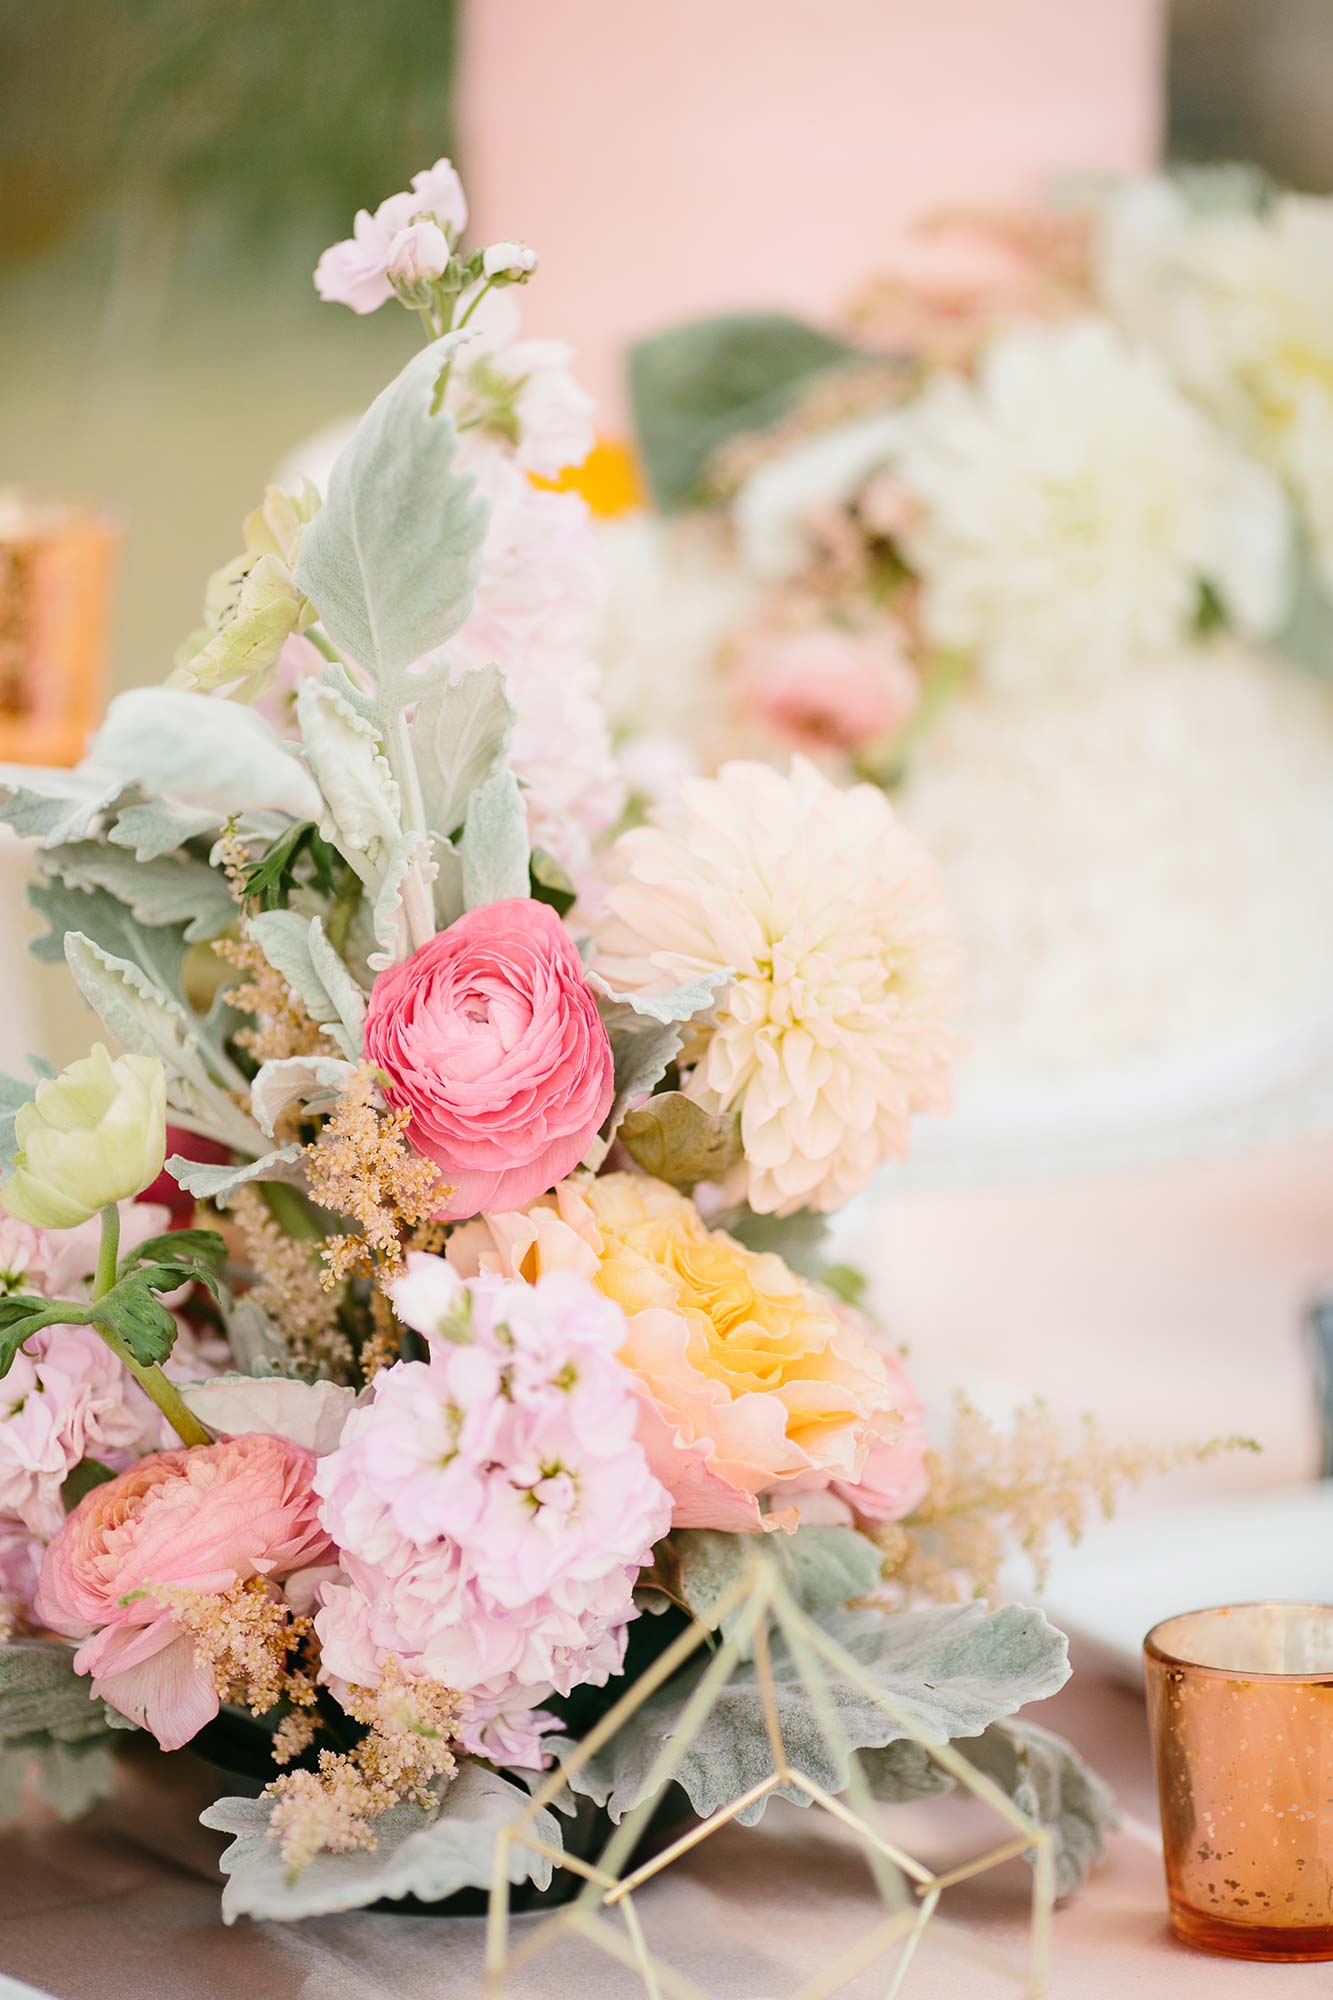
(670, 160)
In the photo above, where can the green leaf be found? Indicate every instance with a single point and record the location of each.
(56, 805)
(173, 889)
(391, 560)
(676, 1140)
(549, 883)
(86, 1475)
(204, 752)
(427, 1855)
(136, 1317)
(23, 1314)
(204, 1246)
(460, 734)
(695, 386)
(801, 1240)
(272, 878)
(494, 846)
(949, 1672)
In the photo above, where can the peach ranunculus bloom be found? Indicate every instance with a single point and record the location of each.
(202, 1520)
(758, 1387)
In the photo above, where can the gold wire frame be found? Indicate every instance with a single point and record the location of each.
(910, 1892)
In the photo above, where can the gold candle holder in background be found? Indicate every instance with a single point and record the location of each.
(56, 565)
(1240, 1705)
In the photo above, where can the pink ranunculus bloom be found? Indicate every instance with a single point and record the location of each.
(490, 1037)
(825, 686)
(202, 1519)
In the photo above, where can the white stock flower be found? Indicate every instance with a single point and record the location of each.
(1072, 502)
(1239, 302)
(840, 1022)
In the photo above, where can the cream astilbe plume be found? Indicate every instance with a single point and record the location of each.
(841, 1019)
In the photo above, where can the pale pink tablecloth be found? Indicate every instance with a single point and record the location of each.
(119, 1910)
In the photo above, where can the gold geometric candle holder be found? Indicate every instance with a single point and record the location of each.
(603, 1912)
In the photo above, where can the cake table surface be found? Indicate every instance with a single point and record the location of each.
(122, 1906)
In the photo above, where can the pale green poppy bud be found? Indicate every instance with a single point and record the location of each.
(95, 1134)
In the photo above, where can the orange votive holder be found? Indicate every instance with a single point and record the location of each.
(1240, 1705)
(56, 569)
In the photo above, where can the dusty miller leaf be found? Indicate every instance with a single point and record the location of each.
(41, 1695)
(56, 805)
(215, 1183)
(391, 560)
(460, 733)
(1046, 1777)
(298, 947)
(950, 1672)
(494, 846)
(316, 1081)
(646, 1032)
(160, 826)
(203, 751)
(823, 1568)
(172, 889)
(416, 1854)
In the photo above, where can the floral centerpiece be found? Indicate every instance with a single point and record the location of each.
(474, 1326)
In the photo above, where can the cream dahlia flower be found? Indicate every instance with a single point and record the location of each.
(1073, 502)
(840, 1021)
(1239, 302)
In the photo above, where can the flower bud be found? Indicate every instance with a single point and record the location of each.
(509, 261)
(95, 1134)
(418, 253)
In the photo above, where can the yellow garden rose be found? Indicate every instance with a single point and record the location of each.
(758, 1386)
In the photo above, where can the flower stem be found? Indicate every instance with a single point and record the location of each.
(150, 1377)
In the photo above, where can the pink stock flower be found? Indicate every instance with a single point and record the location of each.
(826, 686)
(66, 1397)
(492, 1506)
(758, 1388)
(202, 1519)
(490, 1037)
(402, 239)
(20, 1560)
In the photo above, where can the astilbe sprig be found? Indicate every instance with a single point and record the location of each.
(291, 1287)
(249, 1639)
(993, 1490)
(408, 1748)
(361, 1166)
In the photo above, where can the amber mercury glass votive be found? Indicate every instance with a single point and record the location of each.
(56, 563)
(1240, 1705)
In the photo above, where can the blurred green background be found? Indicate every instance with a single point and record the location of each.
(169, 172)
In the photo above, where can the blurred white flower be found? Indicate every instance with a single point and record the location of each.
(840, 1021)
(1073, 502)
(823, 471)
(1239, 302)
(508, 260)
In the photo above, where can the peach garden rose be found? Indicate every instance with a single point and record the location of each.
(758, 1386)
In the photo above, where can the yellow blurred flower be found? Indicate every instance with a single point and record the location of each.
(93, 1135)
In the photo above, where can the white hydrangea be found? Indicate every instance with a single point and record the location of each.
(840, 1021)
(1072, 502)
(1239, 302)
